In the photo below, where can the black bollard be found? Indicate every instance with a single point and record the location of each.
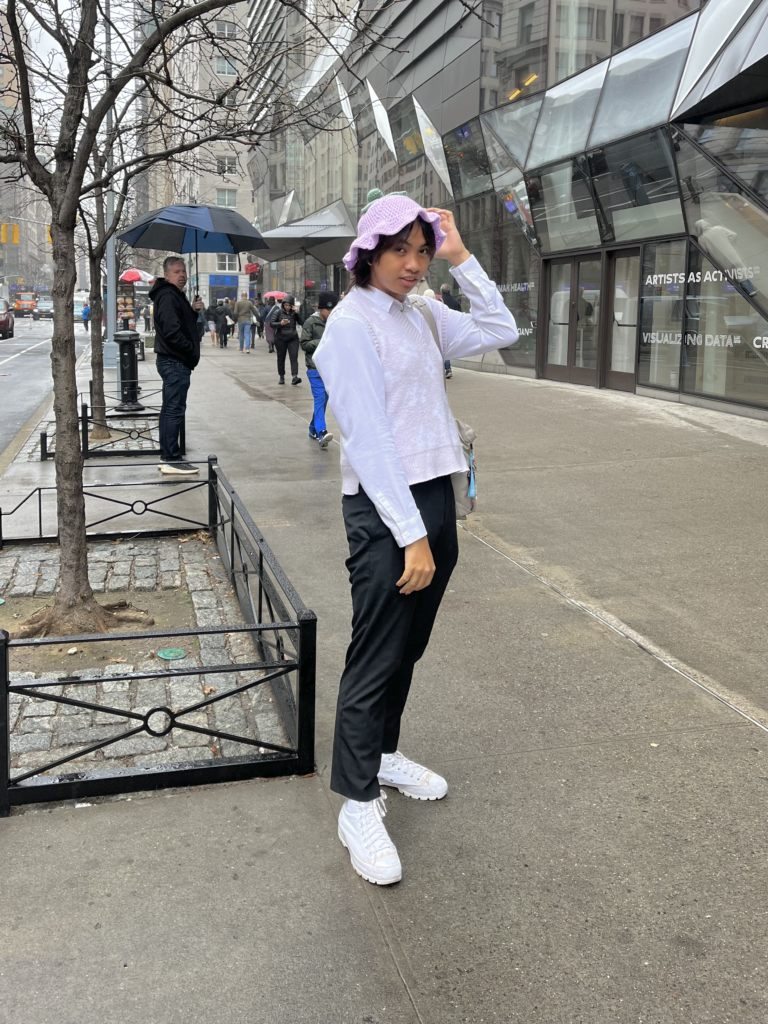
(129, 372)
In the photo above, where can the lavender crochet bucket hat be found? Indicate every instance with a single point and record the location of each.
(387, 216)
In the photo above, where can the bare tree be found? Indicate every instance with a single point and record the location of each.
(106, 120)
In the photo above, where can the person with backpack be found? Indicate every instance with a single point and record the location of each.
(286, 321)
(382, 366)
(311, 334)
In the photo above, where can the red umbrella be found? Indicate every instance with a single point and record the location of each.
(133, 275)
(275, 295)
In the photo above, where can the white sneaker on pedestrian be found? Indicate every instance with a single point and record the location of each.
(372, 852)
(325, 438)
(411, 779)
(178, 468)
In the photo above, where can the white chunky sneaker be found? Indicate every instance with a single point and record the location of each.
(411, 779)
(362, 832)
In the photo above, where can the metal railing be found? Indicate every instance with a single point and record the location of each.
(112, 445)
(282, 654)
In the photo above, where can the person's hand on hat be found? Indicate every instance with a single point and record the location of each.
(452, 249)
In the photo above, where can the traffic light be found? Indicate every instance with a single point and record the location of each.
(4, 234)
(14, 234)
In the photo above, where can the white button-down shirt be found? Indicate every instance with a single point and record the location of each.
(384, 376)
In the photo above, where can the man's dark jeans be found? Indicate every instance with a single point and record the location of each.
(176, 379)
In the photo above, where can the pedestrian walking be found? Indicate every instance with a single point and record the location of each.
(147, 318)
(451, 303)
(242, 313)
(311, 333)
(259, 326)
(287, 321)
(86, 315)
(399, 448)
(177, 353)
(267, 316)
(224, 321)
(210, 319)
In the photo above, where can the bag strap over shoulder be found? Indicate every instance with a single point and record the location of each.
(421, 304)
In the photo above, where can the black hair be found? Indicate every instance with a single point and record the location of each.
(361, 272)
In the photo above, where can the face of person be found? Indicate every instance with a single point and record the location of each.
(400, 269)
(176, 274)
(324, 313)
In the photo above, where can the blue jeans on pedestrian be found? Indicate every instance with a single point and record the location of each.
(320, 395)
(244, 335)
(176, 380)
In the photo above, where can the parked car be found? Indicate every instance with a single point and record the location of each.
(43, 310)
(24, 303)
(6, 319)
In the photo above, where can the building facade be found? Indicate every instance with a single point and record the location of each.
(606, 161)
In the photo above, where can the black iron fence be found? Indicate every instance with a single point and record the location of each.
(127, 437)
(280, 640)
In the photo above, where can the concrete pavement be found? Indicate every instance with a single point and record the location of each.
(600, 856)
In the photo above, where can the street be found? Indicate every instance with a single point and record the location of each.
(25, 373)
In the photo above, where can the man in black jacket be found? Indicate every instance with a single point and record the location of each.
(177, 353)
(287, 322)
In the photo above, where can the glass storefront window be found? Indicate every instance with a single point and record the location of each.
(433, 146)
(726, 340)
(651, 70)
(467, 160)
(562, 207)
(513, 126)
(743, 149)
(566, 117)
(579, 35)
(632, 23)
(728, 225)
(521, 55)
(661, 314)
(636, 186)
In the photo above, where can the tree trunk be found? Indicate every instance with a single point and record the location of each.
(98, 404)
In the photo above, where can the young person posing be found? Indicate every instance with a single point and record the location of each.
(399, 447)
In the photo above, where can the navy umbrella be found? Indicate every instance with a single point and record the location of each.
(193, 229)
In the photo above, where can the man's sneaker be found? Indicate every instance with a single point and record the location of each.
(178, 468)
(313, 436)
(296, 380)
(411, 779)
(325, 437)
(281, 380)
(372, 852)
(448, 374)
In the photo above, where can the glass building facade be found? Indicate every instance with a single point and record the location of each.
(607, 162)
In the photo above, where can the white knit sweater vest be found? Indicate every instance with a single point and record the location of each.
(417, 407)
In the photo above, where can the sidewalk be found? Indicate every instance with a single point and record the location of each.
(600, 856)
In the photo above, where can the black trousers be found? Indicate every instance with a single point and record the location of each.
(223, 335)
(176, 380)
(390, 632)
(292, 348)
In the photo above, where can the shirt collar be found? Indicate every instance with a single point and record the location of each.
(386, 302)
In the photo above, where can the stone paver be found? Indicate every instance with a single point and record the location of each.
(44, 731)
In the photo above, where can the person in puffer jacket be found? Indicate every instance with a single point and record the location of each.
(286, 324)
(311, 333)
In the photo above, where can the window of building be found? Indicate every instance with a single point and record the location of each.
(492, 24)
(226, 261)
(482, 99)
(490, 67)
(226, 164)
(636, 186)
(725, 350)
(513, 126)
(729, 226)
(225, 66)
(493, 98)
(636, 23)
(655, 24)
(525, 24)
(661, 314)
(226, 30)
(562, 207)
(618, 30)
(467, 160)
(226, 197)
(230, 100)
(566, 117)
(629, 26)
(742, 146)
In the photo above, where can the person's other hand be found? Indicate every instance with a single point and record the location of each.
(419, 567)
(452, 249)
(198, 304)
(284, 323)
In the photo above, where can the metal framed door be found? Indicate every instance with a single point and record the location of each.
(622, 318)
(573, 335)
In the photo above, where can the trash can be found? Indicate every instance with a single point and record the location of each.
(129, 371)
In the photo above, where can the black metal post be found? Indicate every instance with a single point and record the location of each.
(213, 505)
(183, 435)
(84, 429)
(305, 693)
(43, 445)
(1, 528)
(5, 731)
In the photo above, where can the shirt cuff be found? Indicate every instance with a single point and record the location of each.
(408, 532)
